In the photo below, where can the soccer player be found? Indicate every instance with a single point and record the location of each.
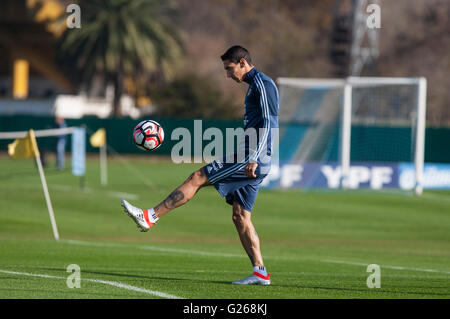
(237, 178)
(60, 143)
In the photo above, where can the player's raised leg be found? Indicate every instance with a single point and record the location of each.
(146, 218)
(182, 194)
(250, 241)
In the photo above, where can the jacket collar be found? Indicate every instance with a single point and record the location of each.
(248, 78)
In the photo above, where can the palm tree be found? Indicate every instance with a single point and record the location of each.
(122, 38)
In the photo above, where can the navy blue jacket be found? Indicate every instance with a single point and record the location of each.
(261, 114)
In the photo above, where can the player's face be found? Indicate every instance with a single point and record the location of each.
(235, 71)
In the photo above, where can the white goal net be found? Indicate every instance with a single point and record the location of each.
(351, 133)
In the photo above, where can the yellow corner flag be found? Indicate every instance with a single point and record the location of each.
(98, 138)
(24, 147)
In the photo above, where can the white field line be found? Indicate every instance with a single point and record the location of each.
(123, 195)
(205, 253)
(115, 194)
(87, 243)
(146, 247)
(435, 196)
(68, 188)
(105, 282)
(190, 252)
(385, 266)
(88, 190)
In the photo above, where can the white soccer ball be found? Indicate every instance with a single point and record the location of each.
(148, 135)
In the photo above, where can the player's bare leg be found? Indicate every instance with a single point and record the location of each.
(146, 218)
(250, 241)
(182, 194)
(247, 234)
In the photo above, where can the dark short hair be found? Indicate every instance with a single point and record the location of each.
(236, 53)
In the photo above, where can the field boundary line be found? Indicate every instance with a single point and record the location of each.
(88, 190)
(385, 266)
(105, 282)
(110, 193)
(147, 247)
(436, 196)
(190, 252)
(122, 195)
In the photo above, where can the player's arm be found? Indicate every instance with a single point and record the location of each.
(266, 101)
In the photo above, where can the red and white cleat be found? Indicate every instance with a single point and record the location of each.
(254, 279)
(140, 216)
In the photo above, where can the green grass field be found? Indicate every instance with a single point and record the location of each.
(315, 244)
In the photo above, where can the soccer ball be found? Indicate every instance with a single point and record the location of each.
(148, 135)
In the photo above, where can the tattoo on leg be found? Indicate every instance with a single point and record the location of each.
(175, 197)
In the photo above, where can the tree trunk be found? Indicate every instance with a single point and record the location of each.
(118, 91)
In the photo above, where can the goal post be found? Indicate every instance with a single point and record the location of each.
(346, 129)
(420, 138)
(25, 146)
(419, 109)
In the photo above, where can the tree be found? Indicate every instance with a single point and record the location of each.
(122, 38)
(194, 96)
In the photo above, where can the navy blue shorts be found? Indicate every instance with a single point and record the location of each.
(230, 181)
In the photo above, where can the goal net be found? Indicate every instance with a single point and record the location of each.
(47, 143)
(350, 133)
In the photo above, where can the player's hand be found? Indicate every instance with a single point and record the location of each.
(250, 169)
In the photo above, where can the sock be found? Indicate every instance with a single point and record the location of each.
(150, 213)
(261, 270)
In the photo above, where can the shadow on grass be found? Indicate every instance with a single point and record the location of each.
(37, 293)
(228, 283)
(84, 271)
(378, 290)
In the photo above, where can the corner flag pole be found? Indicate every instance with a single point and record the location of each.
(98, 139)
(44, 184)
(103, 169)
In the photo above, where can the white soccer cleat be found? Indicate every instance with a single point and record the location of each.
(140, 216)
(254, 279)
